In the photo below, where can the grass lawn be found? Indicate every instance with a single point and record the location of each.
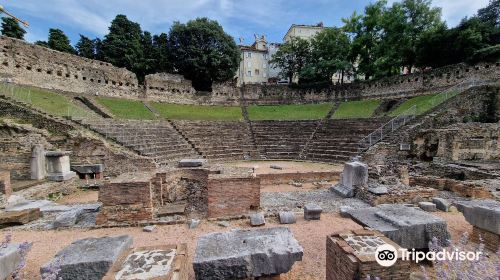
(197, 112)
(126, 108)
(47, 101)
(289, 112)
(356, 109)
(423, 103)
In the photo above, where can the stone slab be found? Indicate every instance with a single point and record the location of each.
(57, 153)
(257, 219)
(355, 174)
(171, 209)
(484, 214)
(378, 190)
(59, 177)
(344, 211)
(88, 168)
(441, 204)
(241, 254)
(19, 217)
(192, 162)
(67, 218)
(427, 206)
(90, 258)
(312, 212)
(287, 217)
(19, 205)
(407, 226)
(343, 191)
(9, 260)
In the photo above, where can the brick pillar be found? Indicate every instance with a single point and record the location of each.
(5, 186)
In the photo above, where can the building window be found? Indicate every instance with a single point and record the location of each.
(249, 64)
(249, 73)
(249, 54)
(257, 72)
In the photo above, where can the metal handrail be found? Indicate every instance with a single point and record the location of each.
(409, 114)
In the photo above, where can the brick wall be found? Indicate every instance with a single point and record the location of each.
(232, 196)
(490, 240)
(284, 178)
(5, 187)
(397, 196)
(463, 188)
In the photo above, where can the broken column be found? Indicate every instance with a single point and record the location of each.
(407, 226)
(484, 216)
(355, 175)
(242, 254)
(58, 166)
(88, 259)
(5, 187)
(351, 255)
(37, 164)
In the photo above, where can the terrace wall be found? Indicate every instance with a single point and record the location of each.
(232, 196)
(28, 64)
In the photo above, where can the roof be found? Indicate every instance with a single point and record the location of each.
(319, 26)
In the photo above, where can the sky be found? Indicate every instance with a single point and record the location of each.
(239, 18)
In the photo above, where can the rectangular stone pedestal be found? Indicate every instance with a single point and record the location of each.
(58, 166)
(351, 255)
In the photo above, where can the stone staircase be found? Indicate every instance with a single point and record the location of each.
(282, 139)
(337, 140)
(157, 140)
(224, 140)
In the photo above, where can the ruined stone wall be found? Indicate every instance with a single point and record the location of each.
(232, 196)
(28, 64)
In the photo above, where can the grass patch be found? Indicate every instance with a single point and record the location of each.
(423, 103)
(356, 109)
(289, 112)
(47, 101)
(126, 108)
(196, 112)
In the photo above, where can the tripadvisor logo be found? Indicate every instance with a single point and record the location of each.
(387, 255)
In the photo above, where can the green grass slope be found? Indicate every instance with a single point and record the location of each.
(126, 108)
(356, 109)
(196, 112)
(289, 112)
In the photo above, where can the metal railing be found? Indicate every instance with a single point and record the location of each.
(409, 114)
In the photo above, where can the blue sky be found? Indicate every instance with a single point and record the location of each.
(240, 18)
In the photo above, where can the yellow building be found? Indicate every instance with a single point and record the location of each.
(254, 65)
(303, 31)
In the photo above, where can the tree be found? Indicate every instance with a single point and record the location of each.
(122, 46)
(292, 57)
(42, 43)
(330, 54)
(491, 13)
(59, 41)
(203, 52)
(86, 47)
(161, 47)
(11, 28)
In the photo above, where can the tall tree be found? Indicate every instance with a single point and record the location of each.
(85, 47)
(11, 28)
(292, 57)
(203, 52)
(122, 46)
(59, 41)
(161, 47)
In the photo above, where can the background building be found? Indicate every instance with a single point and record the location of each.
(303, 31)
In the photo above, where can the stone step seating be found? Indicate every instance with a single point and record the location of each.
(154, 139)
(219, 139)
(282, 139)
(337, 140)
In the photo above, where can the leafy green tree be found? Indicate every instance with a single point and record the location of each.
(122, 46)
(11, 28)
(330, 53)
(161, 48)
(59, 41)
(42, 43)
(203, 52)
(86, 47)
(491, 13)
(292, 57)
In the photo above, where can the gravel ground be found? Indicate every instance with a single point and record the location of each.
(295, 201)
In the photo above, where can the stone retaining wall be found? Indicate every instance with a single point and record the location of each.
(463, 188)
(232, 196)
(490, 240)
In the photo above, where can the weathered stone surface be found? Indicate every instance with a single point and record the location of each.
(223, 224)
(67, 218)
(5, 186)
(150, 228)
(274, 166)
(343, 191)
(88, 168)
(257, 219)
(407, 226)
(194, 223)
(344, 211)
(355, 174)
(37, 164)
(9, 260)
(484, 214)
(191, 162)
(287, 217)
(441, 204)
(312, 212)
(19, 217)
(427, 206)
(242, 254)
(90, 258)
(58, 166)
(378, 190)
(19, 204)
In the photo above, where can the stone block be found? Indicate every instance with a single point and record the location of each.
(89, 171)
(312, 212)
(355, 174)
(20, 204)
(5, 186)
(441, 204)
(242, 254)
(484, 214)
(90, 258)
(344, 211)
(58, 166)
(192, 162)
(19, 217)
(407, 226)
(274, 166)
(150, 228)
(378, 190)
(37, 164)
(194, 223)
(10, 258)
(67, 218)
(343, 191)
(257, 219)
(287, 217)
(427, 206)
